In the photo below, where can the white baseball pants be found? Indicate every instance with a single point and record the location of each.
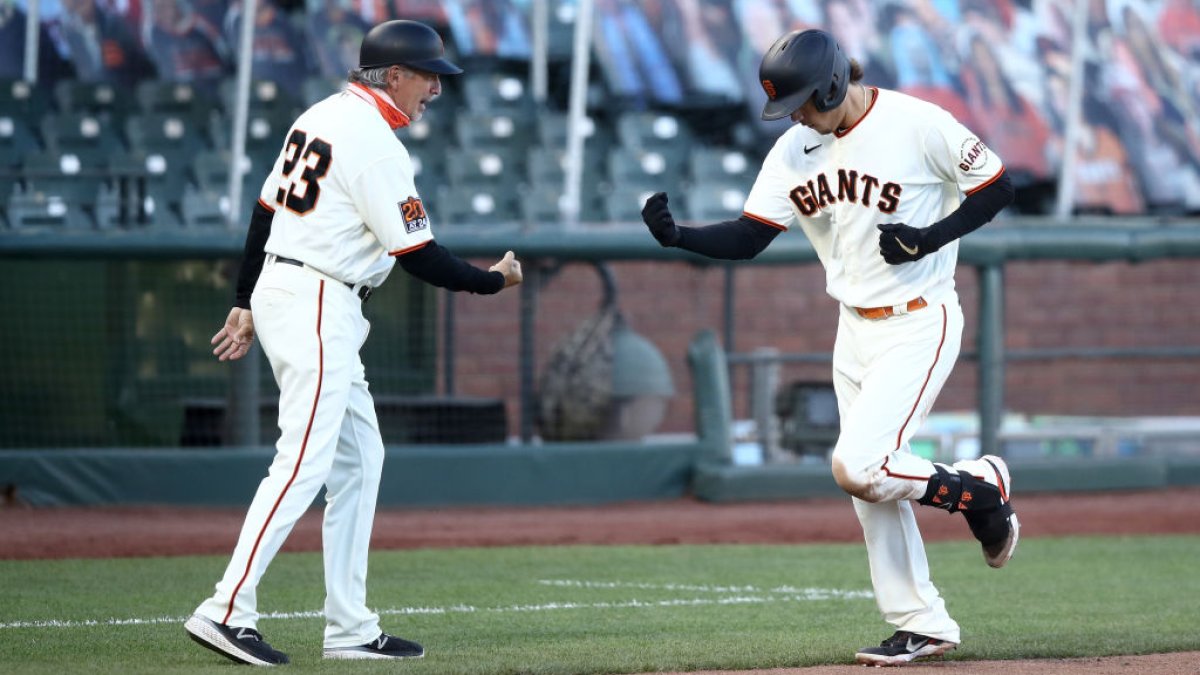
(886, 374)
(311, 328)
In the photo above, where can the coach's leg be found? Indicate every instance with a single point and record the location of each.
(351, 494)
(299, 329)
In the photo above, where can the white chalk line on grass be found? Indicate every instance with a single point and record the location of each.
(808, 593)
(779, 594)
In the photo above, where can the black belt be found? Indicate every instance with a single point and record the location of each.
(364, 291)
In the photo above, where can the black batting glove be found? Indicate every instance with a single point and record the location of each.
(900, 243)
(658, 218)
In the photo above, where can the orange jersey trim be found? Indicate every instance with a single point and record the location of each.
(870, 107)
(265, 205)
(764, 221)
(991, 180)
(410, 249)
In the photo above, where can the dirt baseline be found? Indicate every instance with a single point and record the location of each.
(104, 532)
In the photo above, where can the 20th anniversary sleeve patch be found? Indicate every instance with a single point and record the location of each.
(413, 212)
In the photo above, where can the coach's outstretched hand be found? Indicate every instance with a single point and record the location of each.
(510, 267)
(658, 218)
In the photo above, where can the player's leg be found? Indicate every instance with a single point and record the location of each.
(351, 494)
(899, 569)
(304, 335)
(902, 363)
(900, 578)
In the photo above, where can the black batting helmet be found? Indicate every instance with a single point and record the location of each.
(405, 43)
(803, 65)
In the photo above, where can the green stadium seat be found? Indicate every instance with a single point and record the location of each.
(496, 166)
(96, 98)
(476, 205)
(714, 201)
(26, 99)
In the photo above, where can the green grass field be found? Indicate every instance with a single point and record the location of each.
(590, 609)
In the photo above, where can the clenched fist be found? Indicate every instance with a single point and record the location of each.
(658, 218)
(900, 243)
(510, 267)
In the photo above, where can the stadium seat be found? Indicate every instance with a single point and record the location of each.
(201, 207)
(18, 139)
(31, 208)
(478, 130)
(552, 128)
(96, 98)
(717, 164)
(653, 169)
(497, 92)
(714, 201)
(543, 204)
(92, 138)
(210, 174)
(623, 204)
(151, 187)
(25, 99)
(549, 165)
(266, 131)
(476, 205)
(65, 176)
(499, 167)
(265, 96)
(166, 133)
(653, 130)
(174, 97)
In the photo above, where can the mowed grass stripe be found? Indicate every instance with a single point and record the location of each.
(617, 609)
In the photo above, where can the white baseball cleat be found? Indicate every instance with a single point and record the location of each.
(997, 529)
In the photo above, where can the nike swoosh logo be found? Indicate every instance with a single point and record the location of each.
(808, 149)
(909, 250)
(914, 646)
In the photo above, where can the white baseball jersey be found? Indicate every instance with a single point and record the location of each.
(906, 161)
(344, 204)
(342, 191)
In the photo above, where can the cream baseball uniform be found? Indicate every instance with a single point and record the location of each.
(906, 161)
(344, 205)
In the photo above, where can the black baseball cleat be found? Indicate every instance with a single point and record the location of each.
(243, 645)
(383, 647)
(901, 648)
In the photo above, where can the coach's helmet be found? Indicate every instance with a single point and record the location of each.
(803, 65)
(405, 43)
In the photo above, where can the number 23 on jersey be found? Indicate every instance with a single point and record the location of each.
(300, 189)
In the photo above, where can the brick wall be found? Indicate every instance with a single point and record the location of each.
(1049, 305)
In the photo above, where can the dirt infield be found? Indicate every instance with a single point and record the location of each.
(106, 532)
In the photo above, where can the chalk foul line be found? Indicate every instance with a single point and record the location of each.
(727, 595)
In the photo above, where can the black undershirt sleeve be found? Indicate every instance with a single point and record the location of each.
(253, 254)
(739, 239)
(435, 264)
(977, 209)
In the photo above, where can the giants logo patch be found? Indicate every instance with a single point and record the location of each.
(769, 87)
(413, 212)
(972, 154)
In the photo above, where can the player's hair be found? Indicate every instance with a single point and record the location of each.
(376, 78)
(856, 71)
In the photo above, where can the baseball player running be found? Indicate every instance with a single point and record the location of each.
(338, 209)
(883, 185)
